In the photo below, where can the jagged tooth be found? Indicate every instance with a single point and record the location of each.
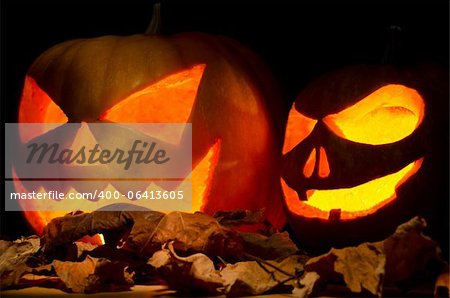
(29, 185)
(168, 185)
(89, 186)
(302, 195)
(55, 185)
(334, 215)
(130, 187)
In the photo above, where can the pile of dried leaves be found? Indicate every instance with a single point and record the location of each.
(198, 254)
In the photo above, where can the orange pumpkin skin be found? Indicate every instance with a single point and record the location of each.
(236, 105)
(353, 163)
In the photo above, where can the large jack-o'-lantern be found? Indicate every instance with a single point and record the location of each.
(215, 83)
(359, 151)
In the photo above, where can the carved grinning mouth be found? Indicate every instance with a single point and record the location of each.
(349, 203)
(201, 177)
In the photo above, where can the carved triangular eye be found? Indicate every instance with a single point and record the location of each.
(297, 129)
(169, 100)
(387, 115)
(36, 106)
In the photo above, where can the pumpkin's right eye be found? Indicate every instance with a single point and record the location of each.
(387, 115)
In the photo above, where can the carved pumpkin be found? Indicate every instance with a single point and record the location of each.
(218, 85)
(358, 147)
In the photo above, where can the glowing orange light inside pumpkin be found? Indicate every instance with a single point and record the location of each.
(389, 114)
(308, 169)
(324, 167)
(298, 128)
(353, 202)
(310, 164)
(169, 100)
(37, 107)
(202, 176)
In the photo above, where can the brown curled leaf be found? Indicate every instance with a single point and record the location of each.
(404, 256)
(239, 217)
(71, 227)
(144, 232)
(409, 252)
(191, 274)
(276, 246)
(196, 274)
(94, 275)
(13, 258)
(190, 233)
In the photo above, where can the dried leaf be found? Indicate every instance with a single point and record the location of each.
(197, 274)
(77, 251)
(360, 267)
(254, 278)
(93, 275)
(82, 247)
(409, 252)
(75, 274)
(115, 254)
(307, 285)
(43, 270)
(71, 227)
(145, 232)
(191, 233)
(192, 274)
(13, 258)
(276, 246)
(405, 254)
(239, 217)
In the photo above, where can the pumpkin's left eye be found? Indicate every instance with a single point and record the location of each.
(169, 100)
(387, 115)
(298, 127)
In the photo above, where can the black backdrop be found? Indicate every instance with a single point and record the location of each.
(299, 40)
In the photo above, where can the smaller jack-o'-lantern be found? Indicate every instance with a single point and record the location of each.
(356, 141)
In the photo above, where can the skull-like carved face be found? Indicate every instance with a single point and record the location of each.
(331, 166)
(355, 140)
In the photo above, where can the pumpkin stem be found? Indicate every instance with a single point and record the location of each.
(155, 25)
(393, 45)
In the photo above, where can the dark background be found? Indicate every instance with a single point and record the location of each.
(298, 41)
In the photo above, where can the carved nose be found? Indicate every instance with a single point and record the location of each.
(317, 164)
(83, 138)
